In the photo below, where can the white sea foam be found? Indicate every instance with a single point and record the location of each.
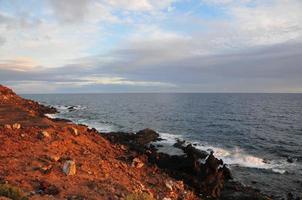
(167, 144)
(232, 157)
(51, 116)
(67, 108)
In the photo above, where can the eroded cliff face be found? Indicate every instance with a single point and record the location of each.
(41, 158)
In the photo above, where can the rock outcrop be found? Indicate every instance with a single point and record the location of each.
(37, 158)
(201, 171)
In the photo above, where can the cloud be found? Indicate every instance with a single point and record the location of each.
(262, 69)
(70, 10)
(121, 81)
(148, 46)
(19, 64)
(140, 5)
(2, 41)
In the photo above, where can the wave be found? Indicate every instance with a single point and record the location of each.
(232, 157)
(51, 116)
(68, 108)
(101, 127)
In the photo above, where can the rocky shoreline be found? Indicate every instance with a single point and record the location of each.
(43, 158)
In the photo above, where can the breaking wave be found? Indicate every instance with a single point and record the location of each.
(232, 157)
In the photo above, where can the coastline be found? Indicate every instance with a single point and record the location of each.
(107, 166)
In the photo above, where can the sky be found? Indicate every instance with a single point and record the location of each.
(108, 46)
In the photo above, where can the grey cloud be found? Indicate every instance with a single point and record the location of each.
(262, 69)
(70, 10)
(2, 41)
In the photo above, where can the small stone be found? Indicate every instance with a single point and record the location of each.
(69, 167)
(74, 131)
(16, 126)
(7, 126)
(43, 134)
(22, 135)
(290, 160)
(169, 185)
(46, 169)
(137, 163)
(54, 158)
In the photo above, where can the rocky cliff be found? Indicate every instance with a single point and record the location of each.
(43, 158)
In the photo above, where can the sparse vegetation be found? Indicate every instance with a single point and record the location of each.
(11, 192)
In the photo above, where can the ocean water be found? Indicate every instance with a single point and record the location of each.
(255, 134)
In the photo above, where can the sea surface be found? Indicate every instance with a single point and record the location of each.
(258, 135)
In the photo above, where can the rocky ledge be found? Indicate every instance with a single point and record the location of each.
(43, 158)
(204, 174)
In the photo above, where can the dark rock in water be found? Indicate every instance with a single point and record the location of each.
(290, 196)
(236, 191)
(136, 141)
(146, 136)
(71, 108)
(207, 178)
(61, 120)
(290, 160)
(196, 153)
(179, 144)
(266, 161)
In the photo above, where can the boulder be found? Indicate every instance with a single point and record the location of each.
(69, 167)
(16, 126)
(169, 185)
(7, 126)
(54, 158)
(146, 136)
(136, 142)
(137, 163)
(74, 131)
(43, 134)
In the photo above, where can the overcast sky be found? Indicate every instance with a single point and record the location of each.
(51, 46)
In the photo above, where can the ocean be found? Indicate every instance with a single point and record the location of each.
(258, 135)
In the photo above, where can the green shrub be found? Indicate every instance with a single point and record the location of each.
(11, 192)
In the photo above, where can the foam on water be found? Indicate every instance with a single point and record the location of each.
(232, 157)
(51, 116)
(101, 127)
(68, 108)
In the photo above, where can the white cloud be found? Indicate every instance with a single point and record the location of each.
(112, 80)
(269, 23)
(19, 64)
(140, 5)
(148, 43)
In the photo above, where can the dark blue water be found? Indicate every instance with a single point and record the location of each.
(254, 133)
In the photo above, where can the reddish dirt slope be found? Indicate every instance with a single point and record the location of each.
(32, 158)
